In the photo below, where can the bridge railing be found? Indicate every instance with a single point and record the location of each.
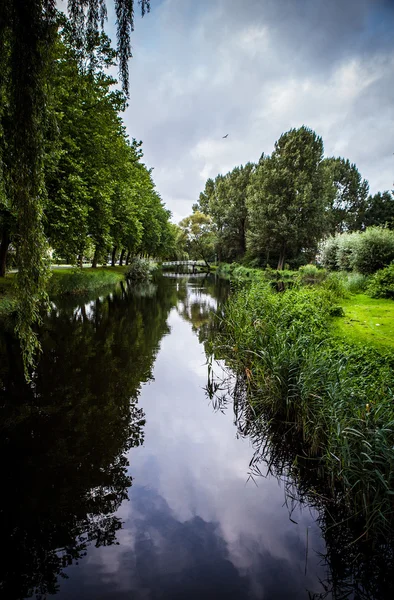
(191, 263)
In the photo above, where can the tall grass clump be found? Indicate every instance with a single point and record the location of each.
(338, 397)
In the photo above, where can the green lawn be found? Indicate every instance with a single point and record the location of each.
(366, 321)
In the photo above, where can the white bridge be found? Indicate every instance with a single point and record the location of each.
(186, 263)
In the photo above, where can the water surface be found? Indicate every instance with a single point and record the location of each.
(123, 480)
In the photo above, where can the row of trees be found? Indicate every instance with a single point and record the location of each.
(280, 208)
(99, 197)
(28, 37)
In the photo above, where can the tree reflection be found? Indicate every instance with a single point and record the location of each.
(359, 567)
(64, 436)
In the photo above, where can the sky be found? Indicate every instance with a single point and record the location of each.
(254, 69)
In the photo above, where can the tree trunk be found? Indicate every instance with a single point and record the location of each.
(121, 257)
(242, 238)
(5, 242)
(128, 257)
(95, 259)
(282, 256)
(79, 260)
(113, 258)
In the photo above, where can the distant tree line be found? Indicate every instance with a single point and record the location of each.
(278, 210)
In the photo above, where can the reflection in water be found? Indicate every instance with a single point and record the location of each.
(191, 525)
(357, 567)
(64, 438)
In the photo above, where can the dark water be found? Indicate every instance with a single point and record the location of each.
(121, 480)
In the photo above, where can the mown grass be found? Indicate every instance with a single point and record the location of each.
(366, 321)
(339, 396)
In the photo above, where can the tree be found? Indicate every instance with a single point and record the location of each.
(200, 235)
(27, 38)
(346, 196)
(285, 197)
(224, 199)
(380, 210)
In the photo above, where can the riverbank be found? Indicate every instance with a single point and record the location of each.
(64, 281)
(81, 281)
(337, 394)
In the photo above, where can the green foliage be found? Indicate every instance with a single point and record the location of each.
(381, 284)
(348, 244)
(224, 199)
(375, 250)
(380, 210)
(328, 253)
(365, 252)
(346, 196)
(200, 235)
(27, 59)
(285, 197)
(140, 269)
(311, 274)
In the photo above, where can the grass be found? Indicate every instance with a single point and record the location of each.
(64, 281)
(366, 321)
(72, 281)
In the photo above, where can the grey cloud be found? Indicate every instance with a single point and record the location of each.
(254, 69)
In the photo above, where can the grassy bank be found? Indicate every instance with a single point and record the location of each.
(336, 394)
(83, 281)
(64, 281)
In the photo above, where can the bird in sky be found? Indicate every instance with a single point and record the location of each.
(225, 136)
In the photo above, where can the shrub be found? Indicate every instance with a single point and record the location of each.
(381, 284)
(328, 253)
(140, 269)
(348, 244)
(375, 250)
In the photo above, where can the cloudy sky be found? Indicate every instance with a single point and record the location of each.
(254, 69)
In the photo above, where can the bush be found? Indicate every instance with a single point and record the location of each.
(365, 252)
(382, 283)
(328, 253)
(374, 251)
(140, 269)
(348, 244)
